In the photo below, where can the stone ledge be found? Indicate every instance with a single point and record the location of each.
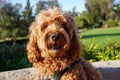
(109, 69)
(21, 74)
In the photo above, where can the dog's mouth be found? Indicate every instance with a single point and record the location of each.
(56, 47)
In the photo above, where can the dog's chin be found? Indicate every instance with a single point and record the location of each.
(56, 50)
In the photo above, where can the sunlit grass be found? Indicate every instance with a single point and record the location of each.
(101, 36)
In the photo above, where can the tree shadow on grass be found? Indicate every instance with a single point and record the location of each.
(100, 35)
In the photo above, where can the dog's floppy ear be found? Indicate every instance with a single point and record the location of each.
(32, 48)
(75, 46)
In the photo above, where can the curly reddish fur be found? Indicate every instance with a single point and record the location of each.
(48, 62)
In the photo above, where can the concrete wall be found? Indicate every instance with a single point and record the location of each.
(109, 69)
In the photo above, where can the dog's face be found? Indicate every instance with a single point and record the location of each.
(54, 39)
(53, 33)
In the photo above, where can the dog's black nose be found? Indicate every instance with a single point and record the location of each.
(55, 36)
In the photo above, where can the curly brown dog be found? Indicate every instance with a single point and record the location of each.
(54, 48)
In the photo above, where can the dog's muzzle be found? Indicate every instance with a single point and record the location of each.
(56, 40)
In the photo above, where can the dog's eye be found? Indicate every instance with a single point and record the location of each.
(44, 27)
(64, 26)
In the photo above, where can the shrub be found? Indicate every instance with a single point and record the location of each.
(4, 33)
(111, 23)
(79, 22)
(94, 52)
(13, 57)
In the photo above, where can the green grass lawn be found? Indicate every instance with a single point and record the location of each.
(101, 36)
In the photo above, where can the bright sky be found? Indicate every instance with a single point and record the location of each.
(66, 4)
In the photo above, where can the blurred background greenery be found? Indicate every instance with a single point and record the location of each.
(98, 29)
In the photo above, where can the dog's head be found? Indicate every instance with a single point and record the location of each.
(52, 35)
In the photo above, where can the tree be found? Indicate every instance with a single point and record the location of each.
(27, 17)
(53, 3)
(106, 7)
(100, 10)
(73, 13)
(2, 2)
(84, 20)
(117, 11)
(41, 4)
(9, 19)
